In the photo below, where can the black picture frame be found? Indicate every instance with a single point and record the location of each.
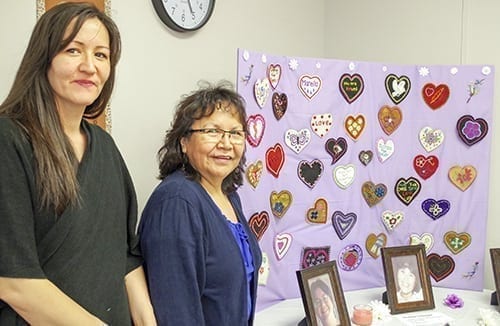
(495, 265)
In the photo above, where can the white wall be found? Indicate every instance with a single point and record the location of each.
(425, 32)
(159, 65)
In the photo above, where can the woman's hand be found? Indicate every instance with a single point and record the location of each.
(138, 297)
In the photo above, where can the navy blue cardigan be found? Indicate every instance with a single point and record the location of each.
(194, 267)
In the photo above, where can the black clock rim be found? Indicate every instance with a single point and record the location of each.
(167, 20)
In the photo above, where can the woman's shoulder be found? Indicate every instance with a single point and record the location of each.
(10, 131)
(7, 126)
(234, 197)
(101, 141)
(176, 191)
(176, 185)
(96, 131)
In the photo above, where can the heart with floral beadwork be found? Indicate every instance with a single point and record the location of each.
(425, 166)
(430, 138)
(470, 130)
(462, 177)
(392, 219)
(390, 118)
(457, 242)
(435, 209)
(254, 172)
(373, 193)
(365, 157)
(280, 202)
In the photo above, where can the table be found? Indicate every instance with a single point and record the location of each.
(290, 312)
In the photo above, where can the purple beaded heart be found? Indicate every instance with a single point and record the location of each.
(435, 209)
(343, 223)
(471, 130)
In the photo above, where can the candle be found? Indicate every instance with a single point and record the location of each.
(362, 315)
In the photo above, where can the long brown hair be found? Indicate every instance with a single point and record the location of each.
(199, 104)
(31, 104)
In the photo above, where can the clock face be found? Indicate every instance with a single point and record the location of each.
(184, 15)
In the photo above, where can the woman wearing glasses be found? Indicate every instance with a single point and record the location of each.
(201, 258)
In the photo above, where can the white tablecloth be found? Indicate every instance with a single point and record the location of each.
(290, 312)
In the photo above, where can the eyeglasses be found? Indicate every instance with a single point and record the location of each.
(215, 135)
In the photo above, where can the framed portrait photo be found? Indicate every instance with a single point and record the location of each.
(322, 295)
(495, 264)
(407, 279)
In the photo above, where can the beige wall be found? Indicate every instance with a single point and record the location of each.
(159, 65)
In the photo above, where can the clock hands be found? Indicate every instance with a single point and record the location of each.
(190, 7)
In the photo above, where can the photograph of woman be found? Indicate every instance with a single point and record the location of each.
(407, 279)
(324, 304)
(201, 258)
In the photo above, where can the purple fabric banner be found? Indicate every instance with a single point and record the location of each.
(346, 157)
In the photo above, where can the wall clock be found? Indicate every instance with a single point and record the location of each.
(184, 15)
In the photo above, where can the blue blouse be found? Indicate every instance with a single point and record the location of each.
(242, 240)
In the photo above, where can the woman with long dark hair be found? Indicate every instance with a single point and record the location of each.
(68, 248)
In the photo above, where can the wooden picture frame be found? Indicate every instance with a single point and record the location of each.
(320, 285)
(104, 119)
(495, 264)
(407, 279)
